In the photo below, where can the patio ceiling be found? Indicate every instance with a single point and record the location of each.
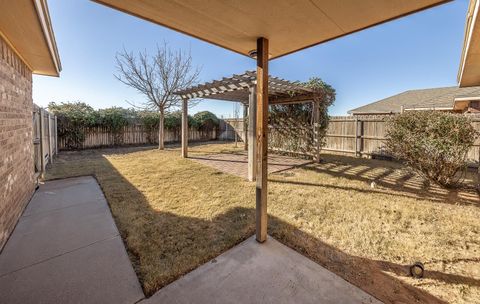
(237, 88)
(289, 25)
(469, 71)
(26, 27)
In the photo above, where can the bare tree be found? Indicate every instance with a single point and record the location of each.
(158, 77)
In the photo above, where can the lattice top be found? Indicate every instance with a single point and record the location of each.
(237, 88)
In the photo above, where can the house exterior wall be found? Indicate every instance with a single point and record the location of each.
(16, 144)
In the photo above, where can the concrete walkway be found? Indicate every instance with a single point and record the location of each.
(260, 273)
(237, 164)
(67, 249)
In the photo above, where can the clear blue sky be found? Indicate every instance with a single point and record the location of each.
(418, 51)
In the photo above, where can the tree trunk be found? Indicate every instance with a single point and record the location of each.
(161, 130)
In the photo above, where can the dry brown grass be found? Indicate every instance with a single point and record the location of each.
(175, 214)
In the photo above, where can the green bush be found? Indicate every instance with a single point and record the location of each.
(115, 119)
(292, 123)
(206, 120)
(173, 121)
(72, 118)
(433, 143)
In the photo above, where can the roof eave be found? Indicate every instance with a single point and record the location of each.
(43, 14)
(471, 26)
(26, 28)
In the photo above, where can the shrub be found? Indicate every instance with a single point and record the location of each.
(115, 119)
(72, 117)
(292, 123)
(206, 120)
(433, 143)
(75, 119)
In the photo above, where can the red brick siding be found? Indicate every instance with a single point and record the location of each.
(16, 144)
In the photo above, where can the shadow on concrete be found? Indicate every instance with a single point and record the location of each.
(163, 246)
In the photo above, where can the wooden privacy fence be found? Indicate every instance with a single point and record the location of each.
(45, 143)
(355, 135)
(365, 135)
(97, 137)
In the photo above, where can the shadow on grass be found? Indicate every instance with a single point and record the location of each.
(163, 246)
(392, 176)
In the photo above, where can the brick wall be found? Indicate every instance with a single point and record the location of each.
(16, 144)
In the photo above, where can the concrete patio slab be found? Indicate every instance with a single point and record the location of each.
(261, 273)
(67, 249)
(237, 164)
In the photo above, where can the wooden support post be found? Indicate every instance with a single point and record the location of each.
(316, 131)
(42, 143)
(185, 128)
(262, 139)
(245, 125)
(252, 129)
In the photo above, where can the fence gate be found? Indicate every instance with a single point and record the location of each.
(45, 144)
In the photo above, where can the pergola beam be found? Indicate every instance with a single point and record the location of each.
(262, 139)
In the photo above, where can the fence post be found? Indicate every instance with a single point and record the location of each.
(42, 146)
(358, 137)
(56, 135)
(49, 127)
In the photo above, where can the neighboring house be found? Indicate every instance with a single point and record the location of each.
(27, 46)
(452, 99)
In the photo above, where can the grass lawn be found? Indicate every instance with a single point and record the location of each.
(175, 214)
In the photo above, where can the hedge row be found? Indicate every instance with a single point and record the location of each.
(79, 114)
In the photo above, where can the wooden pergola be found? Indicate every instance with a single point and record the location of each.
(266, 30)
(242, 88)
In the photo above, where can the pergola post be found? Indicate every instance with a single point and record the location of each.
(245, 131)
(262, 139)
(316, 131)
(185, 128)
(252, 127)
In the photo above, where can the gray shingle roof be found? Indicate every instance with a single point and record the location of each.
(424, 98)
